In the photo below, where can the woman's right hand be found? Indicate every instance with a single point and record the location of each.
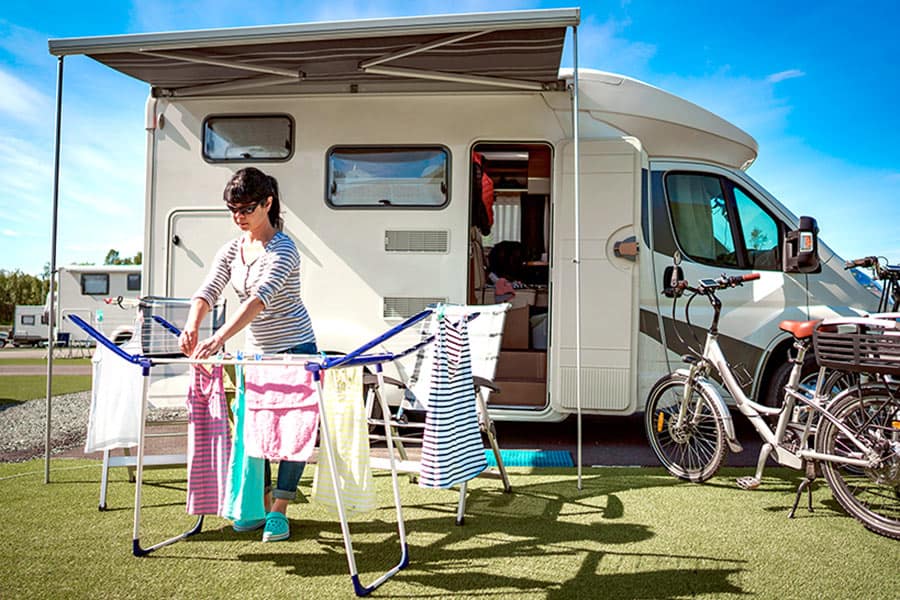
(187, 341)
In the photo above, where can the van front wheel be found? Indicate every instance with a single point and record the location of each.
(774, 395)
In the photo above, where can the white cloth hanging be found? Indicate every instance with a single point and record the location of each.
(116, 390)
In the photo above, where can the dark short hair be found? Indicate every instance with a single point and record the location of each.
(252, 185)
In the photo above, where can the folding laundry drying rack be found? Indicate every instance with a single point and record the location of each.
(317, 365)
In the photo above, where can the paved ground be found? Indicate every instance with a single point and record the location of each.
(607, 441)
(59, 368)
(617, 441)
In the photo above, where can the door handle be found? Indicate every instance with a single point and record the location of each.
(627, 249)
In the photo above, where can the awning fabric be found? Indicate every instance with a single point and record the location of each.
(518, 50)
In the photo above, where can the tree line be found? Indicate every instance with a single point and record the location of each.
(17, 287)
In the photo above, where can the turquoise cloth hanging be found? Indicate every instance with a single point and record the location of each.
(244, 492)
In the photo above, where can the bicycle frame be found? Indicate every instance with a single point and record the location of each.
(714, 358)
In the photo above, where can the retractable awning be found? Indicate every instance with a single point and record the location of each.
(517, 50)
(514, 50)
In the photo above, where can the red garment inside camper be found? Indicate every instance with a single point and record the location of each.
(487, 189)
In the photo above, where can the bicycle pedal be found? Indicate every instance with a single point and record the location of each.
(748, 483)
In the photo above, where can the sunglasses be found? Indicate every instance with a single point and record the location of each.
(243, 210)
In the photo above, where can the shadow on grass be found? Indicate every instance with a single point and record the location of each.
(536, 523)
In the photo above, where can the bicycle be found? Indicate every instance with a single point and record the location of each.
(855, 436)
(890, 293)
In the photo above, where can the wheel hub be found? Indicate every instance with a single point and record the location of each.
(681, 434)
(888, 470)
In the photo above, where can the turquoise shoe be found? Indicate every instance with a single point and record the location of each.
(247, 525)
(277, 528)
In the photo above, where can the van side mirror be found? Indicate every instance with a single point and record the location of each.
(801, 248)
(671, 276)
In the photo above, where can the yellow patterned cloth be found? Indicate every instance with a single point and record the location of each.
(343, 406)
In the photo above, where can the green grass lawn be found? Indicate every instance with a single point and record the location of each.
(19, 388)
(43, 361)
(629, 533)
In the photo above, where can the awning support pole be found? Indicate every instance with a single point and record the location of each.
(52, 295)
(577, 258)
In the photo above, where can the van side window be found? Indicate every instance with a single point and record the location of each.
(717, 223)
(244, 138)
(398, 177)
(94, 284)
(700, 216)
(134, 282)
(760, 233)
(27, 319)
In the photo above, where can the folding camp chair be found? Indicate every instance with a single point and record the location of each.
(485, 326)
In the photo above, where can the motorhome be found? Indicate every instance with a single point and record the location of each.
(433, 159)
(91, 292)
(29, 327)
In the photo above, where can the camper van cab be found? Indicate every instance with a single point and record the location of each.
(416, 184)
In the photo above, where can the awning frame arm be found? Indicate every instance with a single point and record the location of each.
(225, 63)
(226, 86)
(421, 48)
(457, 78)
(372, 66)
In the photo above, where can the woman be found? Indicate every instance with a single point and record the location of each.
(263, 266)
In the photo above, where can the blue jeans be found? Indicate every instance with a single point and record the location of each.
(289, 471)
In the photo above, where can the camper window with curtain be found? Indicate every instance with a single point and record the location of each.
(241, 138)
(95, 284)
(388, 177)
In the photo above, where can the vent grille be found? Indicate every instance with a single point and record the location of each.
(401, 308)
(601, 388)
(417, 241)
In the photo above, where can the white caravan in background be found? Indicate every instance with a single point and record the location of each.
(420, 159)
(86, 291)
(28, 327)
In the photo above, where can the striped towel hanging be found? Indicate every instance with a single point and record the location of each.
(452, 450)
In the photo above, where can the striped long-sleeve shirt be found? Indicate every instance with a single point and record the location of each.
(274, 278)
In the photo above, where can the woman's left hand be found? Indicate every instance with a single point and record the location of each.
(207, 347)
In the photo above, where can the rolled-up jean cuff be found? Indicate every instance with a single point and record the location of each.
(284, 494)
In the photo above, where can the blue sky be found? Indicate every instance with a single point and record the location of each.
(813, 82)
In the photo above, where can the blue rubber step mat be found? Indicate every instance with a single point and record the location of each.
(531, 458)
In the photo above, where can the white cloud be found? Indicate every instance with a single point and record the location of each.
(27, 45)
(601, 46)
(164, 15)
(749, 103)
(783, 75)
(21, 101)
(9, 233)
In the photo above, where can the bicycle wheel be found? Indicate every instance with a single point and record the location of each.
(694, 449)
(872, 495)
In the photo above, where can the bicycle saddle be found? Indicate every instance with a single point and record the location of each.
(799, 329)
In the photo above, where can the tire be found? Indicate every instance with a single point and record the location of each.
(808, 374)
(870, 495)
(695, 450)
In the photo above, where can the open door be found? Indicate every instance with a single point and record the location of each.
(508, 262)
(610, 205)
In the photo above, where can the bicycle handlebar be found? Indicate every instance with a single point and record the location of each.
(866, 261)
(721, 283)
